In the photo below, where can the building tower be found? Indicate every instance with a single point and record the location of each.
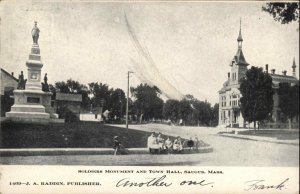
(238, 63)
(229, 95)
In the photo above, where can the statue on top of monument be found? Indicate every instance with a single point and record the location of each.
(35, 33)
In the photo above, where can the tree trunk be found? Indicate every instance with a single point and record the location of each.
(254, 127)
(290, 123)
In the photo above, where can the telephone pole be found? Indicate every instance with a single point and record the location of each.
(127, 101)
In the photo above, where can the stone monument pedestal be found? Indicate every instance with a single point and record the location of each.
(47, 104)
(32, 104)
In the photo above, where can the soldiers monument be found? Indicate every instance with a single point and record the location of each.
(31, 103)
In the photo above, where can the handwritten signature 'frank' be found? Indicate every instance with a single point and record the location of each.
(261, 185)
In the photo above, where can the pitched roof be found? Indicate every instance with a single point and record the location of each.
(239, 58)
(9, 75)
(276, 79)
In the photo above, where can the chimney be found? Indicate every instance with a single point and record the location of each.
(284, 72)
(12, 74)
(273, 71)
(267, 68)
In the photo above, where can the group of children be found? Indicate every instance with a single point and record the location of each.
(157, 144)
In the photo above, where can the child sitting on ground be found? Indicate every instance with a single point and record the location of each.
(196, 143)
(118, 147)
(152, 144)
(177, 145)
(190, 143)
(168, 145)
(160, 141)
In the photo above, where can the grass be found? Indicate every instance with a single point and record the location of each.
(69, 135)
(278, 134)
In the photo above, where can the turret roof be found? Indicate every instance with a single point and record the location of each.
(239, 58)
(240, 38)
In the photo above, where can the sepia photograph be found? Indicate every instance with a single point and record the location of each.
(141, 84)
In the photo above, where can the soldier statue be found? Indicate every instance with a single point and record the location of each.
(35, 33)
(45, 79)
(45, 86)
(21, 83)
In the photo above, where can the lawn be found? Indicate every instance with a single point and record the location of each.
(278, 134)
(69, 135)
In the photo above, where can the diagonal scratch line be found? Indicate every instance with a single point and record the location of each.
(150, 67)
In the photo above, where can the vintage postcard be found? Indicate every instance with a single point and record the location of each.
(149, 96)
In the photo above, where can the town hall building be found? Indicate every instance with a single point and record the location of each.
(229, 95)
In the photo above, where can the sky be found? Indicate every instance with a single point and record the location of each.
(190, 44)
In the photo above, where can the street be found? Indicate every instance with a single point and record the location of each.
(227, 152)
